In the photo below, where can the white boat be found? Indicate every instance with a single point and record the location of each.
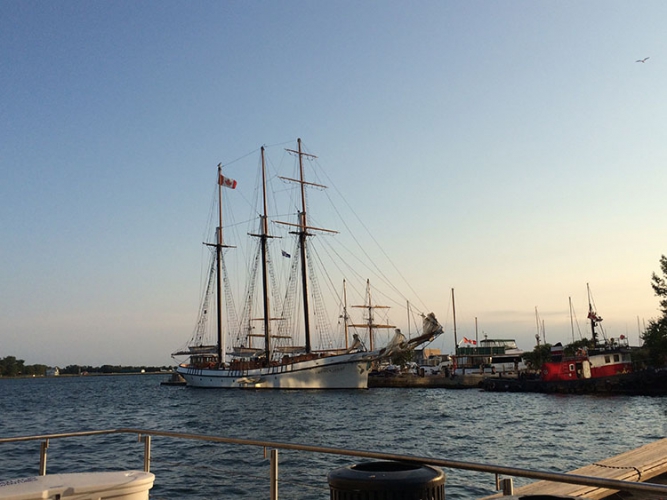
(116, 485)
(270, 359)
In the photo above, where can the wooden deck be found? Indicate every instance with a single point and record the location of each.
(640, 465)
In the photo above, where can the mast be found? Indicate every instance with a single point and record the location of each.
(456, 343)
(537, 322)
(571, 319)
(218, 265)
(476, 334)
(265, 267)
(302, 243)
(302, 232)
(345, 318)
(593, 317)
(370, 324)
(219, 245)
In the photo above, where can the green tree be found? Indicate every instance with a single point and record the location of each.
(402, 358)
(11, 367)
(571, 349)
(537, 356)
(655, 335)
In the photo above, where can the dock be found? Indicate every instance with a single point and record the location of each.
(643, 464)
(412, 381)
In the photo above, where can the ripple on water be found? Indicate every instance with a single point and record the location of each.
(533, 431)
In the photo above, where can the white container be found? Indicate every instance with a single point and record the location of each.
(119, 485)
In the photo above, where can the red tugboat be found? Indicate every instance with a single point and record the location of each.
(604, 360)
(605, 368)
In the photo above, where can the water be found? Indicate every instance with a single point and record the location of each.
(534, 431)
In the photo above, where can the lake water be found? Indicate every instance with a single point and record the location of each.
(533, 431)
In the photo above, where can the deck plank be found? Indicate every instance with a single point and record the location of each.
(639, 465)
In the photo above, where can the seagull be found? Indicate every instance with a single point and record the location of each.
(642, 60)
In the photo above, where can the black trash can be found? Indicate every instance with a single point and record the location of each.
(387, 481)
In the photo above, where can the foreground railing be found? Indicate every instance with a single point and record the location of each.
(271, 451)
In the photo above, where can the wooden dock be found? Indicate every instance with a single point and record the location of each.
(639, 465)
(412, 381)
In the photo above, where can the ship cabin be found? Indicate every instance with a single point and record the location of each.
(489, 357)
(584, 364)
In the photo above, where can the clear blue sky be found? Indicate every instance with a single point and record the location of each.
(513, 151)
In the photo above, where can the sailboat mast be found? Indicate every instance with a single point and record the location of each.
(218, 260)
(345, 318)
(303, 234)
(592, 316)
(456, 342)
(302, 244)
(370, 313)
(571, 319)
(265, 267)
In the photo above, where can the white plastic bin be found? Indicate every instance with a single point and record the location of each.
(119, 485)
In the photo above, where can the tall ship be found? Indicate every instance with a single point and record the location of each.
(271, 343)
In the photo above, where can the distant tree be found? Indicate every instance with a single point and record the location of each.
(571, 349)
(11, 367)
(537, 356)
(655, 335)
(402, 358)
(35, 370)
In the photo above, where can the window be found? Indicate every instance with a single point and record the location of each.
(607, 359)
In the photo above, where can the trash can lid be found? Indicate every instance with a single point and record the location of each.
(80, 483)
(385, 476)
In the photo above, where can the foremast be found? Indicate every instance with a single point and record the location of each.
(219, 245)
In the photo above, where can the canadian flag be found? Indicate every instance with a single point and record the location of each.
(227, 182)
(593, 316)
(468, 341)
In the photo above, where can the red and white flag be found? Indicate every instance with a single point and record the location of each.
(226, 182)
(592, 315)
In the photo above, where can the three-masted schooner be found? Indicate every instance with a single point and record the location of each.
(277, 366)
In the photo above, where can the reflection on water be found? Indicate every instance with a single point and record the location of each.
(534, 431)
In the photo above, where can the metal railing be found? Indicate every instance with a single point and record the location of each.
(272, 448)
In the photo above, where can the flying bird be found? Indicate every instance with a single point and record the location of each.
(642, 60)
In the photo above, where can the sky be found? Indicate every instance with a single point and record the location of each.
(511, 151)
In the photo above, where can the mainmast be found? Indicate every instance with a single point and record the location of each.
(264, 251)
(265, 266)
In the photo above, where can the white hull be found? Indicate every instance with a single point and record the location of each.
(344, 371)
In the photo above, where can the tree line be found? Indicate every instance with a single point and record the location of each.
(653, 352)
(10, 366)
